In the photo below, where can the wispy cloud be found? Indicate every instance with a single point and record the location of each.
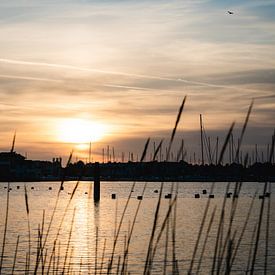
(130, 63)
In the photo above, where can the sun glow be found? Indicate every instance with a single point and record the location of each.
(80, 131)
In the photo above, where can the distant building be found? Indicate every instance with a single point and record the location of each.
(14, 167)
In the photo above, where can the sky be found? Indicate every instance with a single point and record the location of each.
(115, 73)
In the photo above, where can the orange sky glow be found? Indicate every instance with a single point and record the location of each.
(114, 73)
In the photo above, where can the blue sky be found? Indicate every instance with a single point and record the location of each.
(127, 65)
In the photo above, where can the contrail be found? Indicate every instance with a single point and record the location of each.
(72, 67)
(28, 78)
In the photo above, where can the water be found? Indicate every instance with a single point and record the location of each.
(82, 249)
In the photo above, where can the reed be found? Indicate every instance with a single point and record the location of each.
(15, 255)
(267, 231)
(124, 211)
(68, 243)
(29, 228)
(227, 239)
(235, 251)
(206, 239)
(102, 257)
(5, 228)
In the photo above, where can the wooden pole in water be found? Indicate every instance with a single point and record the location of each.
(202, 158)
(96, 182)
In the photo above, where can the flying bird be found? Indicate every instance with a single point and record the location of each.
(230, 12)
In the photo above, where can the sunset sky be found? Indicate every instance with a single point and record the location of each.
(115, 72)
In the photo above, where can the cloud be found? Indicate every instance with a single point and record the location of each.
(129, 64)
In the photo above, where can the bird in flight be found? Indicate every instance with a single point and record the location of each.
(230, 12)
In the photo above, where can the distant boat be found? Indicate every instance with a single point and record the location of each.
(230, 12)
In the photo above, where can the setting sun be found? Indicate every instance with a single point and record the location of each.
(80, 131)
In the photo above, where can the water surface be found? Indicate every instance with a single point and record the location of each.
(81, 250)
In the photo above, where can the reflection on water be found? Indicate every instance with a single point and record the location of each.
(82, 250)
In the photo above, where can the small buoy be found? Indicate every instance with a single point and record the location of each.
(168, 196)
(156, 191)
(211, 196)
(197, 196)
(261, 197)
(10, 189)
(18, 187)
(86, 193)
(5, 187)
(50, 188)
(139, 197)
(32, 188)
(228, 195)
(113, 196)
(267, 194)
(235, 196)
(69, 193)
(204, 191)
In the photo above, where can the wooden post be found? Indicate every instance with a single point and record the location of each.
(96, 182)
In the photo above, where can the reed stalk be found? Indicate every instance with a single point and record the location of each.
(267, 231)
(5, 228)
(68, 243)
(96, 247)
(15, 255)
(29, 228)
(102, 257)
(206, 239)
(258, 232)
(124, 211)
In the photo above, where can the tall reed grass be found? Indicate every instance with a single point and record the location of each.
(227, 240)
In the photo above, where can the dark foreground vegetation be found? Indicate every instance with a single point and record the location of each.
(223, 253)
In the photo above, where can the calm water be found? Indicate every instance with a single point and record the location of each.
(77, 253)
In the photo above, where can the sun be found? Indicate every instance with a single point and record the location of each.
(80, 131)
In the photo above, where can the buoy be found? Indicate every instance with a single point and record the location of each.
(211, 196)
(86, 193)
(261, 197)
(50, 188)
(18, 187)
(113, 196)
(204, 191)
(228, 195)
(267, 194)
(32, 187)
(156, 191)
(139, 197)
(197, 196)
(168, 196)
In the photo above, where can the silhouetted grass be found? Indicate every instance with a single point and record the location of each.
(15, 255)
(227, 239)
